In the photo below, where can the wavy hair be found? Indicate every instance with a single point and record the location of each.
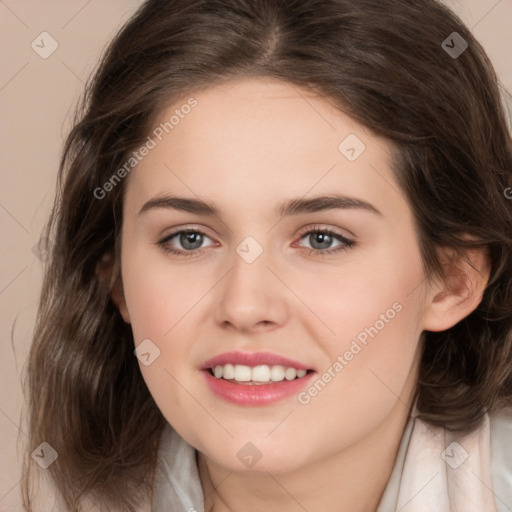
(382, 63)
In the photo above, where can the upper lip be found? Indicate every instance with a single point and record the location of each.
(253, 359)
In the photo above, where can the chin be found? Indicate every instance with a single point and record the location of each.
(258, 456)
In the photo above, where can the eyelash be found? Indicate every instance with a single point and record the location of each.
(345, 243)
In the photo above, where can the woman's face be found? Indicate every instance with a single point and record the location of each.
(347, 306)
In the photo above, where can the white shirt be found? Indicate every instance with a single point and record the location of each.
(434, 471)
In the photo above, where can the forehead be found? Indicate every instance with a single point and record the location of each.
(261, 139)
(262, 113)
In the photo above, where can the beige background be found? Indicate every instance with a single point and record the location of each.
(37, 97)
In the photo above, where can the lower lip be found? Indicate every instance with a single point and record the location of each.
(255, 394)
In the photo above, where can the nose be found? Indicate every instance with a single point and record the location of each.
(252, 297)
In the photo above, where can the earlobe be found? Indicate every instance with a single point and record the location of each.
(117, 294)
(456, 296)
(108, 273)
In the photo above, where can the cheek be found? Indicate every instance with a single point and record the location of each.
(368, 289)
(370, 330)
(370, 361)
(158, 294)
(161, 300)
(162, 313)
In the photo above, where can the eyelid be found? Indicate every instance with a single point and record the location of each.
(184, 229)
(180, 229)
(323, 227)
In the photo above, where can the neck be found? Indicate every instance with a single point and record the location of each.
(350, 481)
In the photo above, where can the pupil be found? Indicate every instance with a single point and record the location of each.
(187, 238)
(324, 237)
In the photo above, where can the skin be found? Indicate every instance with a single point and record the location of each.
(247, 147)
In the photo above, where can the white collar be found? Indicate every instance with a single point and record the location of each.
(435, 470)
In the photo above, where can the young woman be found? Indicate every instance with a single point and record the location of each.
(280, 268)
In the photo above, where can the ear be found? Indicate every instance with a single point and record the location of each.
(109, 274)
(460, 292)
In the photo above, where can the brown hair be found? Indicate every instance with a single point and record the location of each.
(382, 63)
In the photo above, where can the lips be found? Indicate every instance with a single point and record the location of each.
(255, 393)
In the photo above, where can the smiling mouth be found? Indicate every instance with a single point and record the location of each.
(256, 375)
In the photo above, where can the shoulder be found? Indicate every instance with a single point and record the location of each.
(501, 457)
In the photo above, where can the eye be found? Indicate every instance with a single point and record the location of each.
(322, 239)
(190, 239)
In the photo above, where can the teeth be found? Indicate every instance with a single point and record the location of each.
(242, 373)
(290, 373)
(261, 373)
(227, 371)
(277, 373)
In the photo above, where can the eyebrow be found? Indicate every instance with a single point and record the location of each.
(291, 207)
